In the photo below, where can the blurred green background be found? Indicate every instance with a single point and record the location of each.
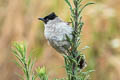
(101, 32)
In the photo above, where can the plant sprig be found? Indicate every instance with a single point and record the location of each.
(26, 63)
(75, 58)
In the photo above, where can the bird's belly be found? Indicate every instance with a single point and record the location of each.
(57, 39)
(59, 46)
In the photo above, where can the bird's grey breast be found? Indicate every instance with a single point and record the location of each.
(56, 35)
(57, 31)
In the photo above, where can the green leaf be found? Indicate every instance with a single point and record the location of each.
(80, 19)
(19, 65)
(86, 47)
(18, 48)
(31, 65)
(87, 72)
(29, 60)
(72, 22)
(81, 25)
(80, 1)
(68, 39)
(20, 76)
(69, 4)
(89, 3)
(25, 48)
(15, 53)
(18, 57)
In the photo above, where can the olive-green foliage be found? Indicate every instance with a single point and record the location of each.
(25, 63)
(71, 62)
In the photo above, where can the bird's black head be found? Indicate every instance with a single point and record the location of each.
(49, 17)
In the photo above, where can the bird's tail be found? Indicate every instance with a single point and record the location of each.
(81, 62)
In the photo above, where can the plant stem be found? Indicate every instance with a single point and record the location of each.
(74, 62)
(76, 15)
(75, 40)
(27, 73)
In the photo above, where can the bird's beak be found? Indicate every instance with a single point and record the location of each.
(42, 19)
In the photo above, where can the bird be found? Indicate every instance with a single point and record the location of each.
(55, 32)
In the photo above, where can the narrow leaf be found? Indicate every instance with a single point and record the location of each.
(89, 3)
(20, 76)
